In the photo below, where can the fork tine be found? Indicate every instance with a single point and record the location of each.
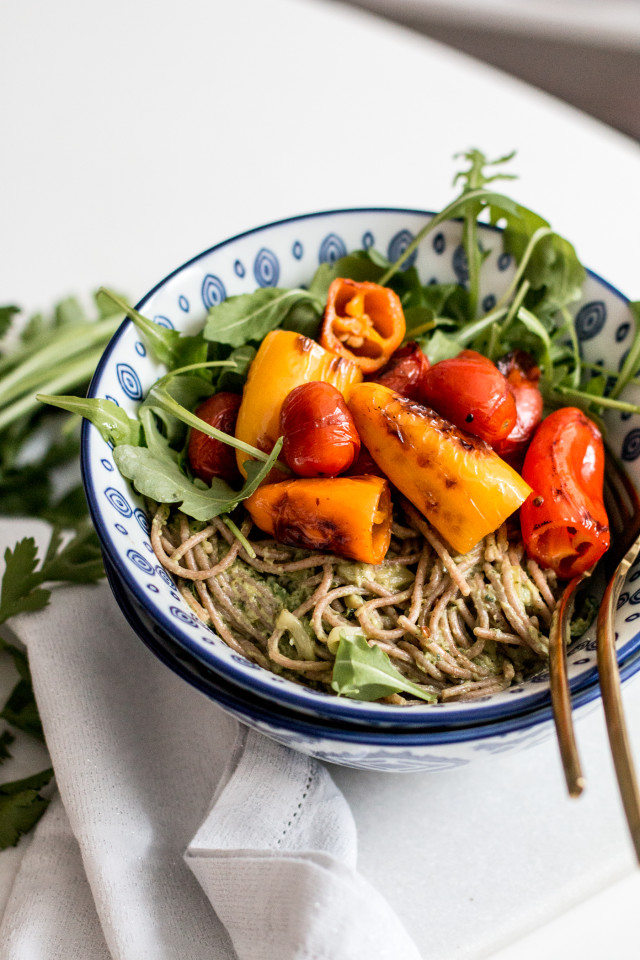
(560, 693)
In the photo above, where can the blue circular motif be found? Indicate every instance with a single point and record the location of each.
(634, 576)
(331, 249)
(397, 247)
(631, 617)
(147, 545)
(367, 240)
(239, 269)
(107, 465)
(635, 598)
(622, 599)
(266, 268)
(579, 663)
(140, 349)
(118, 502)
(129, 381)
(626, 415)
(631, 445)
(140, 562)
(297, 250)
(164, 322)
(152, 587)
(108, 396)
(590, 320)
(183, 303)
(121, 529)
(142, 519)
(489, 302)
(243, 661)
(213, 291)
(184, 617)
(439, 243)
(162, 573)
(504, 261)
(622, 332)
(459, 263)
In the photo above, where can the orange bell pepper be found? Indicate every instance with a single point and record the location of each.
(350, 516)
(363, 322)
(456, 480)
(284, 360)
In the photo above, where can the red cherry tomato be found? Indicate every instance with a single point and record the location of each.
(564, 522)
(209, 457)
(320, 437)
(470, 391)
(405, 372)
(522, 376)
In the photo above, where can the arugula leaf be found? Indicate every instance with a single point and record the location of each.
(631, 364)
(233, 379)
(161, 479)
(365, 672)
(110, 419)
(21, 806)
(441, 346)
(251, 316)
(168, 346)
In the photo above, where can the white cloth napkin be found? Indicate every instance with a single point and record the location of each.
(177, 834)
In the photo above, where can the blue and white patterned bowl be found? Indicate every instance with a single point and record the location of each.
(364, 747)
(287, 253)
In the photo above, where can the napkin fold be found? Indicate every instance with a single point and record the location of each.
(178, 834)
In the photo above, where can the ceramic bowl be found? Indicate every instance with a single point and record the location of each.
(365, 747)
(286, 254)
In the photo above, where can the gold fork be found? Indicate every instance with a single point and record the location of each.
(623, 508)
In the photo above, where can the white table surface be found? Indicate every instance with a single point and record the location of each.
(139, 132)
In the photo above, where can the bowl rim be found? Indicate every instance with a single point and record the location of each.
(335, 707)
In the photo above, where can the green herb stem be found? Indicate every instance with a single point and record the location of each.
(69, 375)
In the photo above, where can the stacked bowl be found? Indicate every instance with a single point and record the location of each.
(378, 736)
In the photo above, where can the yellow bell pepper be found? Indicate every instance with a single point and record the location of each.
(350, 516)
(457, 481)
(284, 361)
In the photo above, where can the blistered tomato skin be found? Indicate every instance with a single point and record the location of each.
(209, 457)
(469, 391)
(523, 377)
(405, 372)
(564, 522)
(320, 437)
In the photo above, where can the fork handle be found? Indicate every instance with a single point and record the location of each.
(560, 692)
(614, 713)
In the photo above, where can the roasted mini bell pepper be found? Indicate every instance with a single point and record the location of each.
(456, 480)
(523, 376)
(350, 516)
(363, 322)
(564, 521)
(284, 360)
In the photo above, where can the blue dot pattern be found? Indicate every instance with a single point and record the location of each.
(331, 249)
(129, 381)
(266, 268)
(459, 263)
(118, 502)
(212, 291)
(590, 320)
(397, 247)
(140, 562)
(297, 250)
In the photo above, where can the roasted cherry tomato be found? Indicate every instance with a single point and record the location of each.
(564, 522)
(320, 437)
(523, 377)
(364, 465)
(470, 391)
(363, 322)
(209, 457)
(405, 372)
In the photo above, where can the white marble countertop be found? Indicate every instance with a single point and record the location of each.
(137, 134)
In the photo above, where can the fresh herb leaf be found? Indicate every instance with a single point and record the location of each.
(365, 672)
(21, 806)
(21, 710)
(7, 314)
(168, 346)
(251, 316)
(20, 592)
(162, 480)
(110, 419)
(233, 378)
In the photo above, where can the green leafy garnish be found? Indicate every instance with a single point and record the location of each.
(364, 672)
(21, 806)
(251, 316)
